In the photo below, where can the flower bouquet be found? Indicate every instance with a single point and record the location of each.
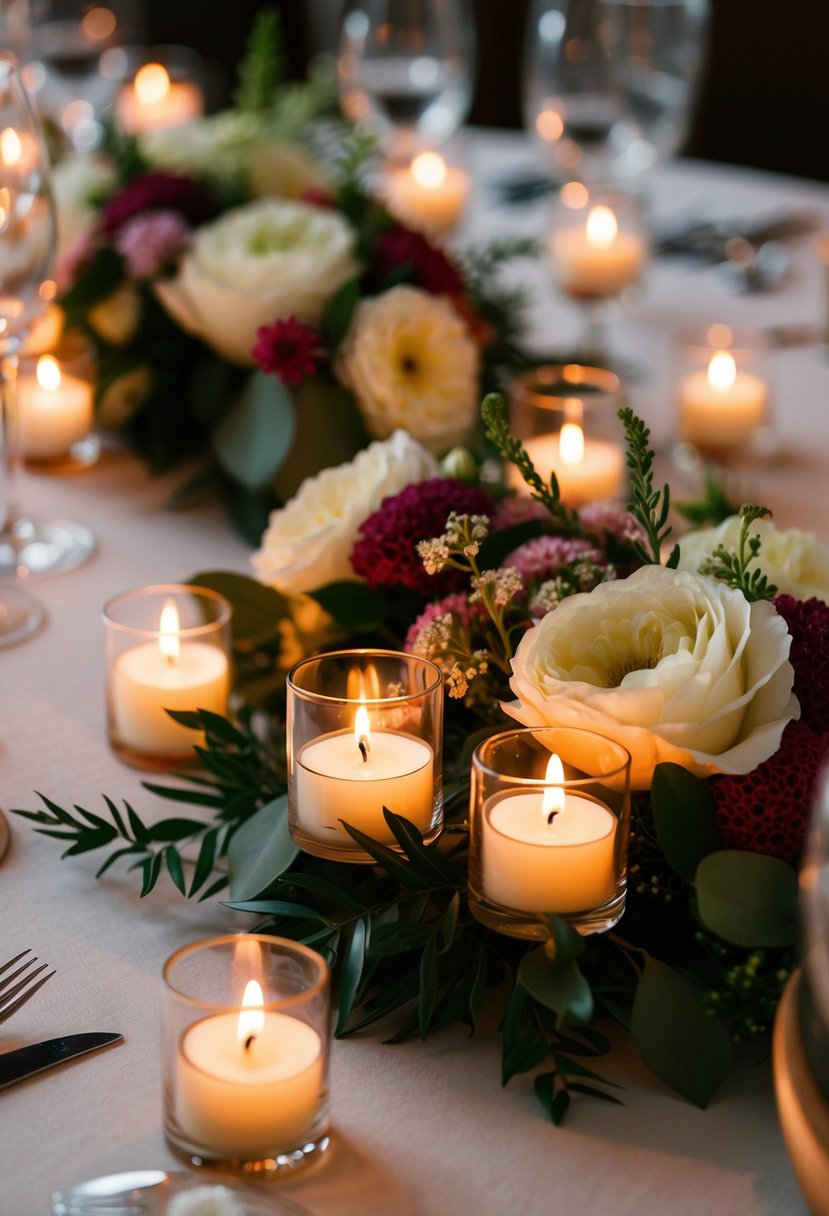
(708, 662)
(251, 300)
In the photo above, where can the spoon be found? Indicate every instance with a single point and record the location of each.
(749, 267)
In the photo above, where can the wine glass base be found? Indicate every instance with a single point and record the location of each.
(20, 616)
(33, 547)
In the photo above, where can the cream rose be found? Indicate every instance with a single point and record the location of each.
(411, 362)
(671, 665)
(308, 542)
(257, 263)
(796, 562)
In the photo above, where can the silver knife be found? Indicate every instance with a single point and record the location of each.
(26, 1061)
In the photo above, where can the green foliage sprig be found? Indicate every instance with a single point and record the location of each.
(732, 566)
(263, 66)
(650, 507)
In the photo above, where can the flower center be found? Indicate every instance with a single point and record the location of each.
(619, 670)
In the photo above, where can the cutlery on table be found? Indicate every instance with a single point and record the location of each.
(11, 998)
(749, 267)
(706, 239)
(148, 1192)
(27, 1061)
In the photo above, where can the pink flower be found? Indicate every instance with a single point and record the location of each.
(149, 241)
(457, 604)
(519, 509)
(289, 349)
(542, 558)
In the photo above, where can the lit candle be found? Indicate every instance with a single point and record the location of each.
(547, 850)
(249, 1082)
(721, 406)
(153, 101)
(55, 411)
(45, 332)
(353, 774)
(588, 470)
(170, 672)
(596, 259)
(429, 193)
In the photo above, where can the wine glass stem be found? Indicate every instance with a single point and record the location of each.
(594, 340)
(10, 432)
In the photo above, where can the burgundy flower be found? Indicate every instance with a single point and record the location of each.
(318, 197)
(767, 810)
(159, 191)
(289, 349)
(808, 622)
(386, 553)
(430, 268)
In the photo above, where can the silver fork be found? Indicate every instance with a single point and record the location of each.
(11, 998)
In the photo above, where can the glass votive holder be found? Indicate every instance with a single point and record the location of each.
(549, 828)
(245, 1043)
(598, 241)
(164, 89)
(724, 394)
(168, 648)
(364, 732)
(56, 406)
(430, 194)
(566, 417)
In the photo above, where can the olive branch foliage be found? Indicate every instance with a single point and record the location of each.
(408, 955)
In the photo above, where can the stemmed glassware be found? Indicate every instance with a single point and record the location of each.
(610, 84)
(27, 243)
(404, 70)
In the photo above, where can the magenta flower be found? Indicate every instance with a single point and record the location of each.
(149, 241)
(543, 558)
(457, 604)
(159, 191)
(289, 349)
(429, 268)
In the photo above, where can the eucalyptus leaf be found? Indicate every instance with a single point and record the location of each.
(679, 1040)
(261, 850)
(748, 899)
(329, 431)
(353, 605)
(254, 437)
(351, 973)
(257, 609)
(559, 986)
(684, 816)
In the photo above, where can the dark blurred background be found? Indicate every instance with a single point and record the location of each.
(764, 102)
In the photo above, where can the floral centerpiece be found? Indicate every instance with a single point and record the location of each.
(709, 661)
(250, 299)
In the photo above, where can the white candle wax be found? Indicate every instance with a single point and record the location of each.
(723, 417)
(154, 102)
(533, 866)
(145, 682)
(53, 413)
(333, 782)
(431, 197)
(250, 1102)
(598, 259)
(596, 477)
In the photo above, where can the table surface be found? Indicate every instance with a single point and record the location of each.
(423, 1127)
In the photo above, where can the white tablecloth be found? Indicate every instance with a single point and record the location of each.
(419, 1128)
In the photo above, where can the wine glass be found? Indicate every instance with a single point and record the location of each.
(27, 243)
(404, 70)
(610, 84)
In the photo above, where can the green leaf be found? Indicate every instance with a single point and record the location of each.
(257, 609)
(171, 830)
(277, 908)
(351, 972)
(567, 942)
(329, 431)
(352, 605)
(174, 867)
(150, 868)
(428, 985)
(338, 314)
(555, 1104)
(255, 435)
(449, 922)
(261, 850)
(679, 1040)
(684, 816)
(748, 899)
(205, 861)
(559, 986)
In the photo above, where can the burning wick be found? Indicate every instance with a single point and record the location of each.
(249, 1041)
(364, 749)
(361, 732)
(550, 818)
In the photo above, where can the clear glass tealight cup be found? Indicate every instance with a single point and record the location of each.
(56, 406)
(364, 733)
(724, 395)
(168, 648)
(566, 417)
(549, 829)
(245, 1052)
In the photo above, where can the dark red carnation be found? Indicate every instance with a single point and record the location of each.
(318, 197)
(386, 553)
(767, 810)
(288, 349)
(808, 622)
(429, 267)
(157, 191)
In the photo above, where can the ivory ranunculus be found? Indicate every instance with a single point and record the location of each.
(671, 665)
(796, 562)
(255, 264)
(308, 542)
(411, 362)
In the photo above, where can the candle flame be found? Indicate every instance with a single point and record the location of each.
(362, 732)
(152, 84)
(252, 1017)
(169, 642)
(11, 148)
(571, 443)
(552, 803)
(722, 371)
(601, 227)
(48, 373)
(429, 170)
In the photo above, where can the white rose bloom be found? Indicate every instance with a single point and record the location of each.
(411, 362)
(78, 180)
(308, 542)
(255, 264)
(671, 665)
(796, 562)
